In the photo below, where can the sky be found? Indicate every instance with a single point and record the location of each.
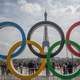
(26, 13)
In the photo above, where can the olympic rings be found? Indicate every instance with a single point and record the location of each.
(40, 54)
(12, 24)
(70, 76)
(52, 24)
(11, 68)
(68, 37)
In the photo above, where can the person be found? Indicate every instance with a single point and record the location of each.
(53, 64)
(21, 67)
(24, 68)
(35, 64)
(70, 68)
(2, 69)
(65, 68)
(24, 65)
(31, 67)
(47, 71)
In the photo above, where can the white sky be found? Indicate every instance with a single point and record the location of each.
(28, 12)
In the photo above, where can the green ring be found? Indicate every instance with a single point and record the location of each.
(69, 76)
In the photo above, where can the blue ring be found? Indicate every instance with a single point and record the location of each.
(23, 45)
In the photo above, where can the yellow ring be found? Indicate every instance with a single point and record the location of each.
(11, 67)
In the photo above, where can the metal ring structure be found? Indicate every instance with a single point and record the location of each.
(23, 44)
(13, 53)
(53, 25)
(52, 69)
(10, 65)
(77, 24)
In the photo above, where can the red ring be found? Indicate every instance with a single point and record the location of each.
(68, 38)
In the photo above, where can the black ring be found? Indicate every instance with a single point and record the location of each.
(52, 24)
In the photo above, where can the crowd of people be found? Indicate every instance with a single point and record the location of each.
(65, 68)
(68, 68)
(33, 65)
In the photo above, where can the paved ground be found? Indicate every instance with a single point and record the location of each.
(10, 77)
(40, 77)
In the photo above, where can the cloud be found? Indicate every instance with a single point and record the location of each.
(62, 3)
(29, 7)
(67, 10)
(60, 6)
(78, 9)
(22, 2)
